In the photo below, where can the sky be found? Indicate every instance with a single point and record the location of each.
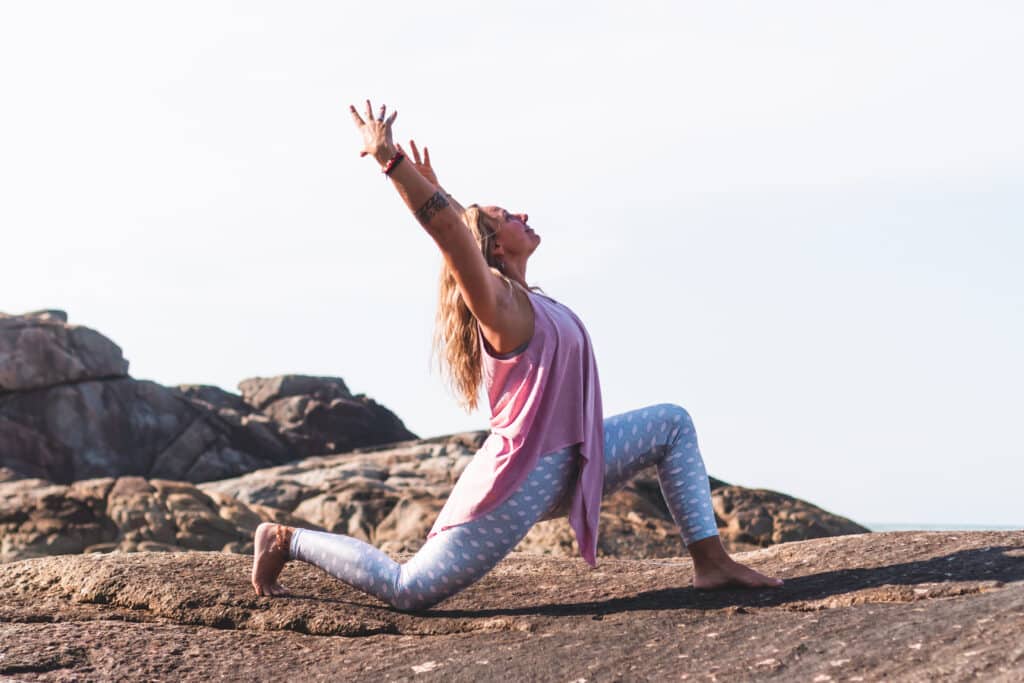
(801, 221)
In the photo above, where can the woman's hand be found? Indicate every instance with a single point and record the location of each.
(376, 132)
(422, 165)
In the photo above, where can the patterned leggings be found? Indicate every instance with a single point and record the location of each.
(449, 561)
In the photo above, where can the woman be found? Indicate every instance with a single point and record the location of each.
(549, 452)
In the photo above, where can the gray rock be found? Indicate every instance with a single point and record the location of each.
(68, 411)
(391, 496)
(320, 415)
(760, 517)
(41, 350)
(121, 427)
(260, 392)
(127, 514)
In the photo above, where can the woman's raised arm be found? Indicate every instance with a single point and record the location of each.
(431, 207)
(426, 170)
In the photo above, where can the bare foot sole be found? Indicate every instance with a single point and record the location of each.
(733, 575)
(269, 557)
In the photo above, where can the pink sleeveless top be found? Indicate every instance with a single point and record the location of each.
(543, 399)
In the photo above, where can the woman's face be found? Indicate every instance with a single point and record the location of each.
(513, 236)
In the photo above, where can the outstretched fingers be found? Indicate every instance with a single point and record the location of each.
(381, 114)
(376, 130)
(423, 159)
(355, 115)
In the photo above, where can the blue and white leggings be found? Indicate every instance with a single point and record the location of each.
(661, 435)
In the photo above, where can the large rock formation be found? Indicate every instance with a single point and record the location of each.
(391, 496)
(385, 496)
(40, 350)
(69, 411)
(91, 457)
(127, 514)
(893, 606)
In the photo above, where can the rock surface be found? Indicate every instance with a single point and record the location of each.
(893, 606)
(40, 349)
(391, 497)
(312, 415)
(69, 411)
(126, 514)
(386, 496)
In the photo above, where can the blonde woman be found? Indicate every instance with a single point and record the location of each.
(549, 451)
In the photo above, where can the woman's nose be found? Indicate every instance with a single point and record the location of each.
(525, 217)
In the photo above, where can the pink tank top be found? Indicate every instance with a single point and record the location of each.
(543, 399)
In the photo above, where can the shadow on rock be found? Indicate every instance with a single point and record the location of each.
(980, 569)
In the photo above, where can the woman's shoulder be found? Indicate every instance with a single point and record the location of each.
(537, 293)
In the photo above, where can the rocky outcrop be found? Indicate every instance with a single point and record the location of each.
(889, 606)
(386, 496)
(39, 350)
(69, 411)
(761, 518)
(391, 496)
(320, 415)
(127, 514)
(90, 456)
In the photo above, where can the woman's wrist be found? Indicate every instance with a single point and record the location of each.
(385, 153)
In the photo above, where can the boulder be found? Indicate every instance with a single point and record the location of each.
(126, 514)
(69, 411)
(39, 350)
(121, 427)
(390, 496)
(320, 415)
(760, 517)
(260, 392)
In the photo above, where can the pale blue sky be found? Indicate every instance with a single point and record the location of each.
(801, 221)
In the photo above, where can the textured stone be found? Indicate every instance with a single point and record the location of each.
(319, 415)
(127, 514)
(760, 517)
(871, 607)
(69, 411)
(260, 392)
(39, 350)
(391, 496)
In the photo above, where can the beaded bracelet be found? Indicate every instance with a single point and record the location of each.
(394, 161)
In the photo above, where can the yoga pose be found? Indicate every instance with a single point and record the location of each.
(549, 452)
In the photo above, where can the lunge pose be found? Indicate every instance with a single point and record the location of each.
(549, 451)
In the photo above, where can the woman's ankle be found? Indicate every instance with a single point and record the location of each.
(283, 539)
(708, 553)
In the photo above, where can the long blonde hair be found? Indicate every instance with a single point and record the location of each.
(456, 339)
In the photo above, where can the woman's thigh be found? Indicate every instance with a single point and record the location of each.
(638, 439)
(460, 555)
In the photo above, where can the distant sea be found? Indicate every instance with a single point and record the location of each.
(889, 526)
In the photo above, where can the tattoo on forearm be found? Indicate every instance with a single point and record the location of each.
(431, 208)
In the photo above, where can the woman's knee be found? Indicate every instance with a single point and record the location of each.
(674, 413)
(414, 602)
(419, 594)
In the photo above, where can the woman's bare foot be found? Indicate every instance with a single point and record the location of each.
(270, 554)
(713, 569)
